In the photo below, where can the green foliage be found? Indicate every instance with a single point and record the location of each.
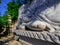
(3, 22)
(4, 25)
(13, 10)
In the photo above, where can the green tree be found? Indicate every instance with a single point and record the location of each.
(3, 22)
(13, 10)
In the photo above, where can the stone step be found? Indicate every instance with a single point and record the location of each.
(45, 36)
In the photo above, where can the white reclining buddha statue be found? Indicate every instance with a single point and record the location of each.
(40, 15)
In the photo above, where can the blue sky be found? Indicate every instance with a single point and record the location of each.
(3, 6)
